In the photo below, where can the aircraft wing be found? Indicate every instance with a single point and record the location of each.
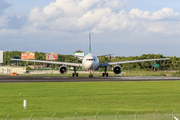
(132, 61)
(52, 62)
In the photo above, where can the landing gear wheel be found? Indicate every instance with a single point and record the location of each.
(103, 74)
(106, 74)
(74, 75)
(90, 75)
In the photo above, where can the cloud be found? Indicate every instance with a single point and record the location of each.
(13, 22)
(3, 21)
(157, 15)
(4, 5)
(66, 23)
(16, 22)
(98, 16)
(70, 14)
(3, 18)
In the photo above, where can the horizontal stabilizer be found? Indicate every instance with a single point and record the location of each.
(105, 55)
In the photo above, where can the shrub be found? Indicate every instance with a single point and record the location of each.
(28, 68)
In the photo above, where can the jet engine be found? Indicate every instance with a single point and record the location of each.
(117, 69)
(63, 69)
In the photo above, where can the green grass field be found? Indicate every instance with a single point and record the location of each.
(87, 98)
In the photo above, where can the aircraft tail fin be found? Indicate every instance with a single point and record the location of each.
(89, 42)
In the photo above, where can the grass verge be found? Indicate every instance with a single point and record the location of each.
(87, 98)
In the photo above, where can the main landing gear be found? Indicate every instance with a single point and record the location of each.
(74, 74)
(105, 74)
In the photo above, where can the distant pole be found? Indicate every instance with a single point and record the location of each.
(110, 58)
(160, 65)
(5, 55)
(152, 67)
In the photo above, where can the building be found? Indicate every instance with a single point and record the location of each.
(12, 69)
(79, 53)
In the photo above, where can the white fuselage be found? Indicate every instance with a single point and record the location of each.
(90, 62)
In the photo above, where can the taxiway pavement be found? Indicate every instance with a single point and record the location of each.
(9, 79)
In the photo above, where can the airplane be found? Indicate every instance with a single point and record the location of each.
(91, 63)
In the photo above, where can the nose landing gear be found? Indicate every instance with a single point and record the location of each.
(74, 74)
(90, 75)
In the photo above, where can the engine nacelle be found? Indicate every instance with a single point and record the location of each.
(63, 69)
(117, 69)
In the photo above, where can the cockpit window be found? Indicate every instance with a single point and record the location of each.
(89, 59)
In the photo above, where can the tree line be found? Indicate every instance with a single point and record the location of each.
(172, 64)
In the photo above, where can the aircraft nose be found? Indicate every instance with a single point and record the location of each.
(88, 65)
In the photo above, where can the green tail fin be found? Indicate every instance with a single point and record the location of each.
(89, 42)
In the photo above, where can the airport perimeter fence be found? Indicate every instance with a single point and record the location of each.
(117, 116)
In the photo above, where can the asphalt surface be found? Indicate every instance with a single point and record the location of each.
(9, 79)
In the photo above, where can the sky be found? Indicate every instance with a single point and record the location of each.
(120, 27)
